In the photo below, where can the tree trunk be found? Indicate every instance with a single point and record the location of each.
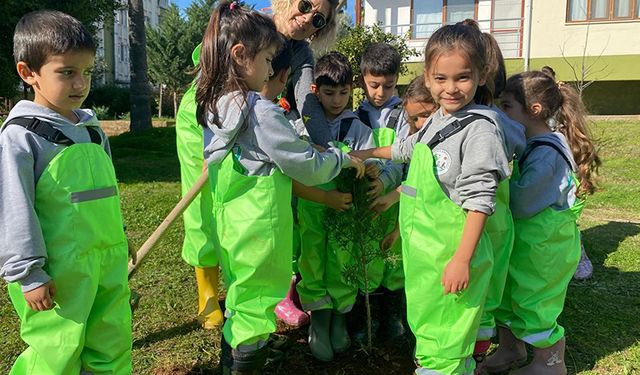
(140, 91)
(175, 104)
(160, 103)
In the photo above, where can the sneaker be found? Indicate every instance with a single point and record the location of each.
(585, 268)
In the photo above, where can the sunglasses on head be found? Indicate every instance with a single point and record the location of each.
(317, 19)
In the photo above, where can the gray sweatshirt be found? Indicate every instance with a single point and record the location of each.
(299, 89)
(391, 174)
(359, 136)
(470, 164)
(23, 158)
(545, 179)
(266, 141)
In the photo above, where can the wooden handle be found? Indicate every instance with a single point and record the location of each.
(166, 223)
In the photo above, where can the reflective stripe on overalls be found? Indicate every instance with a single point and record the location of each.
(78, 207)
(197, 246)
(499, 228)
(431, 227)
(545, 256)
(387, 274)
(322, 262)
(252, 235)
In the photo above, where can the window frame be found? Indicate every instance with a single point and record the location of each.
(611, 17)
(444, 16)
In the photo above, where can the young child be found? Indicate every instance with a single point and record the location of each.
(252, 156)
(457, 162)
(197, 247)
(382, 112)
(62, 248)
(323, 289)
(546, 202)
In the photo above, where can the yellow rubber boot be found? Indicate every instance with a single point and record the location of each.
(209, 312)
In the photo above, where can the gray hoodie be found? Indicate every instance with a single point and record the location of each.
(545, 179)
(513, 134)
(391, 174)
(266, 141)
(23, 157)
(470, 164)
(359, 136)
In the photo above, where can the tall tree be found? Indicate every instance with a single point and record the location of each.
(169, 53)
(140, 91)
(89, 12)
(198, 14)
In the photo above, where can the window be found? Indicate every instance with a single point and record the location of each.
(602, 10)
(429, 15)
(506, 26)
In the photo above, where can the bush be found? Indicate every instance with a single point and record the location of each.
(114, 98)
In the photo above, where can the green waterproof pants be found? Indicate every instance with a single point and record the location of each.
(431, 225)
(500, 229)
(253, 233)
(321, 263)
(545, 255)
(387, 274)
(197, 247)
(78, 206)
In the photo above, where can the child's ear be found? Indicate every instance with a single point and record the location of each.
(314, 88)
(482, 80)
(238, 54)
(426, 81)
(25, 73)
(535, 109)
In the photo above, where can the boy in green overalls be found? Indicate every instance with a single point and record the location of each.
(62, 245)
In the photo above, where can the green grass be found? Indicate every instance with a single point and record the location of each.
(601, 314)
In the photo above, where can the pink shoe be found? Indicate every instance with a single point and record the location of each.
(289, 313)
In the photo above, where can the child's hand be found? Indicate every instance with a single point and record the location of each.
(456, 276)
(382, 203)
(41, 298)
(360, 154)
(358, 165)
(337, 200)
(372, 170)
(375, 188)
(132, 252)
(390, 239)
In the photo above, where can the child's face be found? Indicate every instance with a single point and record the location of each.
(333, 98)
(418, 113)
(63, 82)
(258, 70)
(452, 81)
(379, 89)
(513, 108)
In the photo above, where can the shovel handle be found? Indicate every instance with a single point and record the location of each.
(166, 223)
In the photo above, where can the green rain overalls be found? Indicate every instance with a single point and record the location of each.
(545, 256)
(499, 228)
(197, 247)
(431, 227)
(78, 206)
(381, 273)
(322, 262)
(252, 234)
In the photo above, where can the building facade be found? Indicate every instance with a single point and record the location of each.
(596, 42)
(113, 41)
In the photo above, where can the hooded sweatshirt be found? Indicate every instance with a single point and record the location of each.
(265, 141)
(24, 156)
(545, 178)
(470, 164)
(392, 173)
(359, 136)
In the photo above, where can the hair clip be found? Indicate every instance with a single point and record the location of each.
(560, 83)
(234, 4)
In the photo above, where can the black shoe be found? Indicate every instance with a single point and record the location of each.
(235, 362)
(394, 311)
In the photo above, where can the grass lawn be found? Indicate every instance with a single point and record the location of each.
(601, 314)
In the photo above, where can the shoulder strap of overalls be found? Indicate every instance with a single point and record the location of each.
(345, 126)
(536, 144)
(45, 130)
(394, 116)
(364, 117)
(455, 127)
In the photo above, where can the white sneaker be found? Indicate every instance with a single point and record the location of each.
(585, 268)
